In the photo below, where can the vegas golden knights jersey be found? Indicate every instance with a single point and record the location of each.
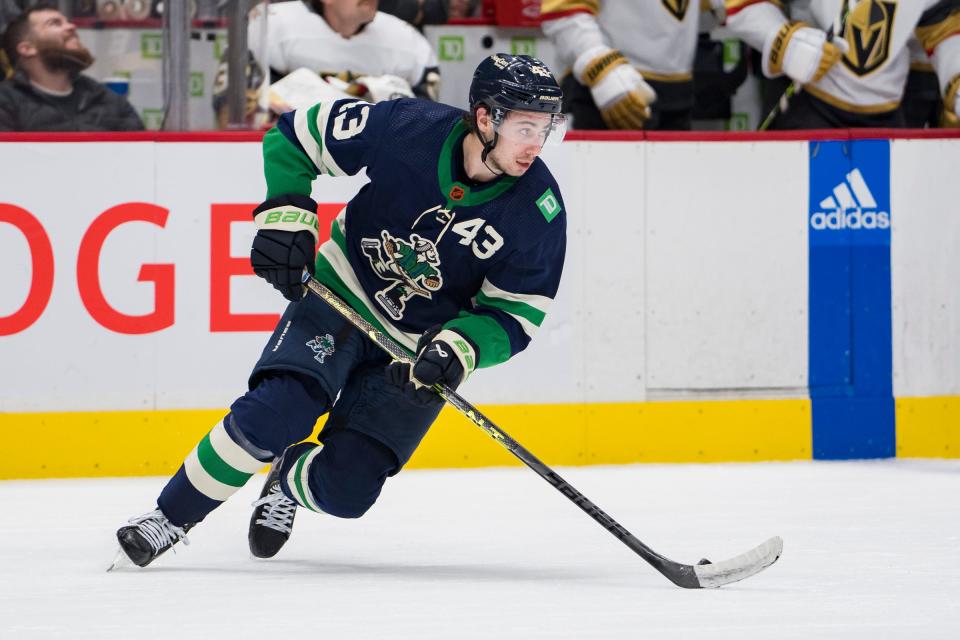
(296, 36)
(870, 77)
(657, 36)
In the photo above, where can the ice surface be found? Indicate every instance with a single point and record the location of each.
(871, 550)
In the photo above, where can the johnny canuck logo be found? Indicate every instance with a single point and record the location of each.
(322, 347)
(411, 265)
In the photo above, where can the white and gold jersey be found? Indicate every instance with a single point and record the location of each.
(295, 37)
(657, 36)
(871, 76)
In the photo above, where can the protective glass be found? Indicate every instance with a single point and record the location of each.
(532, 127)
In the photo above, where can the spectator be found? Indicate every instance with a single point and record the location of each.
(632, 61)
(47, 91)
(364, 52)
(852, 68)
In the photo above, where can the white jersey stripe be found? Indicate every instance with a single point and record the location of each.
(541, 303)
(328, 162)
(528, 327)
(302, 129)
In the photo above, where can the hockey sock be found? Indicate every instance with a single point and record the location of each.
(216, 468)
(342, 478)
(294, 474)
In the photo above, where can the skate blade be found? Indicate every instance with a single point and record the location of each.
(120, 561)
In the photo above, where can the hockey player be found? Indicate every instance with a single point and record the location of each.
(850, 57)
(632, 62)
(454, 249)
(922, 102)
(375, 55)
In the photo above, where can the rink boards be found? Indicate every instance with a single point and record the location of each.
(722, 300)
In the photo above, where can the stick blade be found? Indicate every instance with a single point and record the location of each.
(743, 566)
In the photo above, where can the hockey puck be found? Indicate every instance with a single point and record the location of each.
(704, 561)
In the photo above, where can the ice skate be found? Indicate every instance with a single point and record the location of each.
(146, 537)
(272, 521)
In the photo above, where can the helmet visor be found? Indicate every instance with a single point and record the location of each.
(532, 127)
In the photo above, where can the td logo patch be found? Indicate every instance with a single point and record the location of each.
(549, 205)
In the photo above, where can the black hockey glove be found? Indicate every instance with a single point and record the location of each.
(398, 374)
(285, 243)
(438, 361)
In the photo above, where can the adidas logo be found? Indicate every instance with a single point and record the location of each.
(852, 206)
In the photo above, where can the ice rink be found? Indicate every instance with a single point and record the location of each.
(871, 550)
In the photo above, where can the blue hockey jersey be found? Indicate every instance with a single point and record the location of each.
(421, 244)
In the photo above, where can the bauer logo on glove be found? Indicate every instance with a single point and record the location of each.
(285, 243)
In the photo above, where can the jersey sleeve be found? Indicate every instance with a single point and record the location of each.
(338, 138)
(426, 74)
(572, 27)
(513, 300)
(938, 31)
(553, 9)
(755, 21)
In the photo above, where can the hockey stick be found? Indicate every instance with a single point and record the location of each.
(687, 576)
(784, 102)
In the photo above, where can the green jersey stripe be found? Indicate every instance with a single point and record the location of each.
(493, 343)
(203, 482)
(312, 146)
(217, 467)
(286, 168)
(513, 307)
(231, 453)
(541, 303)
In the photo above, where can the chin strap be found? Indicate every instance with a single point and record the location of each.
(487, 148)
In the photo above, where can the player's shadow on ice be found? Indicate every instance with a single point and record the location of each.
(430, 572)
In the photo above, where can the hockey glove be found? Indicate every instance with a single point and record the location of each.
(951, 105)
(385, 87)
(285, 243)
(801, 52)
(398, 375)
(438, 359)
(443, 357)
(619, 91)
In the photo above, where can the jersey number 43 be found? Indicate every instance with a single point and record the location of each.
(468, 231)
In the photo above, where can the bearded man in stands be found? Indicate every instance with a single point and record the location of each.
(47, 91)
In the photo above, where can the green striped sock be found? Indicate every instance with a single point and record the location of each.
(297, 480)
(218, 466)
